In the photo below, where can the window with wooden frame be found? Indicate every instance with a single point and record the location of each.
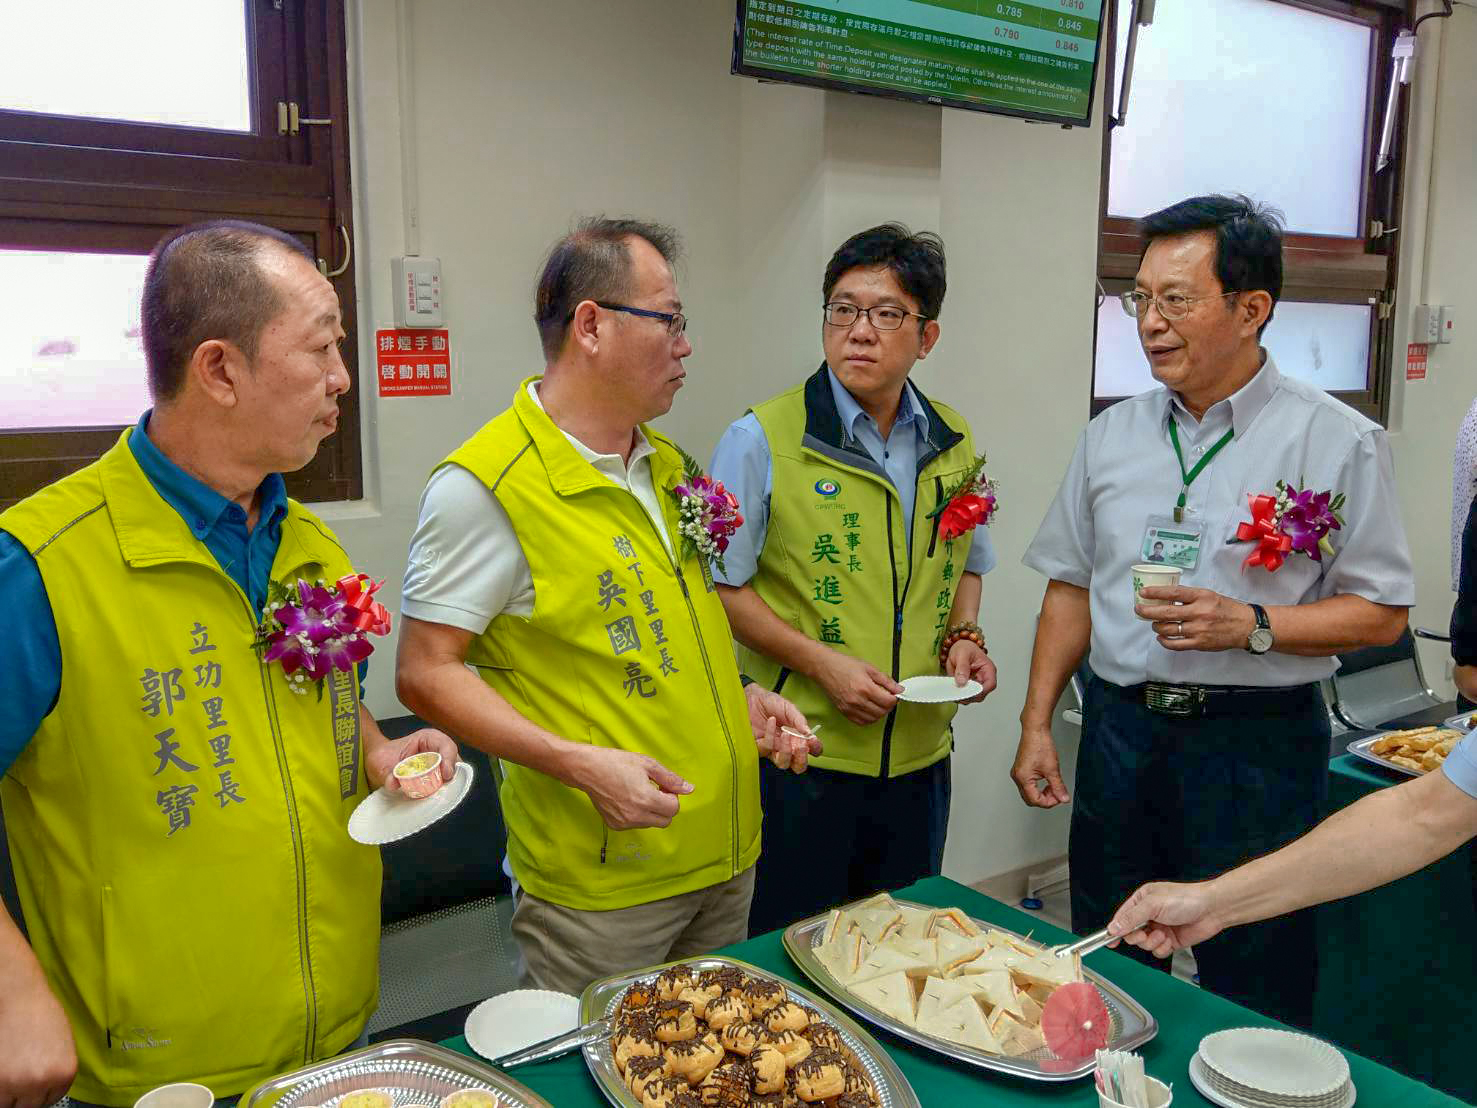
(1281, 100)
(119, 122)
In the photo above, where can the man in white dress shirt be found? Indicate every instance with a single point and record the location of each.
(1205, 737)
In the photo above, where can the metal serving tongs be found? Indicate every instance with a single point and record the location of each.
(557, 1045)
(1086, 946)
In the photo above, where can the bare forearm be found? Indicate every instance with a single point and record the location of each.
(450, 696)
(1466, 680)
(1411, 826)
(966, 607)
(1062, 637)
(757, 627)
(1334, 625)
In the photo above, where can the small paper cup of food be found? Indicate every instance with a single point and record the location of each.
(183, 1094)
(1160, 1095)
(419, 775)
(1152, 576)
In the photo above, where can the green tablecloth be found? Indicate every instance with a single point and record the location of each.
(1185, 1015)
(1398, 965)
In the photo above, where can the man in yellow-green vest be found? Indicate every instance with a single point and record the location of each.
(196, 910)
(841, 585)
(549, 555)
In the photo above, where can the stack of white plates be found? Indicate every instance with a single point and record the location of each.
(1258, 1067)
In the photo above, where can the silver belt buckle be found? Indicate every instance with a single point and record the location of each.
(1174, 700)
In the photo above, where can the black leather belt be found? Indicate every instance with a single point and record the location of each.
(1190, 701)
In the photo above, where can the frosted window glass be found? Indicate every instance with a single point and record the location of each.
(182, 62)
(1326, 345)
(70, 353)
(1248, 96)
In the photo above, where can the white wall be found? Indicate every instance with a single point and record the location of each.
(1438, 267)
(527, 115)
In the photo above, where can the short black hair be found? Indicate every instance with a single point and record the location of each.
(592, 262)
(917, 261)
(203, 282)
(1248, 240)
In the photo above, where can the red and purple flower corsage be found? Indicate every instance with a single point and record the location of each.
(969, 504)
(1294, 521)
(313, 628)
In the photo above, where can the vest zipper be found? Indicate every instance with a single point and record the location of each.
(305, 956)
(702, 646)
(604, 841)
(897, 642)
(938, 496)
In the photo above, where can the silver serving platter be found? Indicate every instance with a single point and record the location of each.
(602, 998)
(411, 1071)
(1132, 1024)
(1464, 722)
(1360, 749)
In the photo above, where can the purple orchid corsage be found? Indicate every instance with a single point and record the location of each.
(313, 628)
(1293, 521)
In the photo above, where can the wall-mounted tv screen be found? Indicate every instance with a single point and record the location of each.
(1036, 59)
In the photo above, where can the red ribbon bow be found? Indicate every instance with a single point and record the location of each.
(1272, 546)
(964, 514)
(368, 614)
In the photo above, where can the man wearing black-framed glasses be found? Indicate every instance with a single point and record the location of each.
(548, 557)
(839, 586)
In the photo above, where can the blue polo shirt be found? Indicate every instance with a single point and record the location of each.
(30, 654)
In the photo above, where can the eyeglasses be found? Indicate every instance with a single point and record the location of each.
(676, 322)
(884, 317)
(1171, 306)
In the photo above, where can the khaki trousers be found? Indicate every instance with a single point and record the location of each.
(564, 949)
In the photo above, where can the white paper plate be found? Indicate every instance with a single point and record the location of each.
(937, 690)
(385, 817)
(1276, 1064)
(1200, 1077)
(512, 1021)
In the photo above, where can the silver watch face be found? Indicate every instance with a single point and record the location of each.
(1259, 641)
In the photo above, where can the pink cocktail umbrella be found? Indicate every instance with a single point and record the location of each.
(1075, 1021)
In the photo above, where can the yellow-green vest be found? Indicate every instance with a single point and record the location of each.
(177, 823)
(624, 649)
(836, 565)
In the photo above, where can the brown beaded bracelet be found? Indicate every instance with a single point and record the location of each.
(958, 633)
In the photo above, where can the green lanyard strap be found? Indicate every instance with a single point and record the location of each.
(1188, 477)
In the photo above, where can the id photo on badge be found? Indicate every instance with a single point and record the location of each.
(1171, 543)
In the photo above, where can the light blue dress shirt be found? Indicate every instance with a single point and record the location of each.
(1124, 471)
(31, 657)
(1460, 766)
(743, 463)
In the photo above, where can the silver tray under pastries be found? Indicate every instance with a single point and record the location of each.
(1132, 1024)
(1464, 722)
(603, 997)
(411, 1071)
(1360, 749)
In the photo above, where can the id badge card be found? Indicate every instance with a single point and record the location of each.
(1174, 544)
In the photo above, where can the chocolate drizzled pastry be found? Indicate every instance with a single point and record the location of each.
(793, 1045)
(729, 1086)
(769, 1068)
(730, 979)
(639, 995)
(661, 1092)
(854, 1100)
(641, 1069)
(825, 1034)
(633, 1043)
(742, 1038)
(821, 1075)
(786, 1016)
(725, 1010)
(700, 996)
(675, 1021)
(672, 980)
(857, 1080)
(693, 1059)
(761, 996)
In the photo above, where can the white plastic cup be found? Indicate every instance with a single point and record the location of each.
(183, 1094)
(1159, 1095)
(1152, 575)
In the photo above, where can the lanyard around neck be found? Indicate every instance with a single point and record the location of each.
(1187, 478)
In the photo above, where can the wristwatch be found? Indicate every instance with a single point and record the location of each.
(1260, 639)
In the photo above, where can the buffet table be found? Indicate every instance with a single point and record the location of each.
(1397, 965)
(1185, 1015)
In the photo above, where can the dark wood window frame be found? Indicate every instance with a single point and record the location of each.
(1316, 268)
(99, 186)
